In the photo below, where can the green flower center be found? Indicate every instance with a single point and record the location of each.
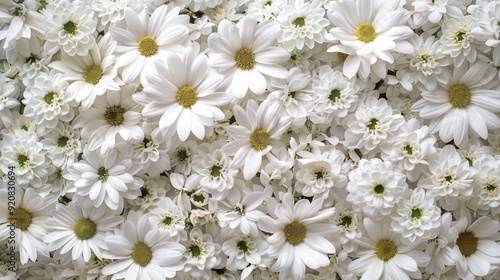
(373, 124)
(386, 250)
(103, 174)
(182, 155)
(43, 5)
(242, 245)
(62, 141)
(69, 27)
(198, 198)
(461, 35)
(147, 46)
(114, 115)
(215, 171)
(260, 139)
(22, 160)
(93, 74)
(409, 149)
(467, 243)
(21, 218)
(459, 96)
(32, 59)
(245, 59)
(379, 189)
(334, 95)
(299, 22)
(491, 187)
(142, 254)
(345, 221)
(295, 233)
(167, 220)
(195, 251)
(85, 229)
(187, 96)
(416, 214)
(366, 33)
(49, 97)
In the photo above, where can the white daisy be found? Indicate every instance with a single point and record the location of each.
(185, 97)
(181, 156)
(148, 38)
(141, 252)
(464, 106)
(246, 55)
(80, 228)
(299, 237)
(259, 129)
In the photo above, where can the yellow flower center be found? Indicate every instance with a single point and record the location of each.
(459, 96)
(366, 32)
(147, 46)
(245, 59)
(84, 229)
(260, 139)
(142, 254)
(386, 250)
(114, 115)
(295, 233)
(187, 96)
(467, 243)
(21, 218)
(93, 74)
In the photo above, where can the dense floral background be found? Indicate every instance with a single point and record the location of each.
(250, 139)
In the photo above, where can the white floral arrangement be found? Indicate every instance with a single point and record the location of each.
(240, 139)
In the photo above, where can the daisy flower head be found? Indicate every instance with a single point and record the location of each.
(148, 38)
(465, 106)
(246, 55)
(259, 130)
(299, 237)
(186, 96)
(89, 75)
(381, 255)
(369, 32)
(139, 251)
(80, 228)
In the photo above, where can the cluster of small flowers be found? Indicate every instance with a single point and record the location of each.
(221, 139)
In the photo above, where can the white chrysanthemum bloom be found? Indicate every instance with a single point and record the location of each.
(181, 156)
(265, 9)
(105, 178)
(383, 256)
(111, 120)
(428, 62)
(147, 39)
(335, 95)
(369, 31)
(463, 107)
(448, 177)
(300, 59)
(302, 23)
(151, 153)
(412, 151)
(487, 16)
(476, 251)
(140, 251)
(109, 11)
(240, 209)
(416, 217)
(90, 75)
(63, 145)
(153, 189)
(214, 168)
(347, 221)
(486, 183)
(34, 64)
(277, 173)
(8, 100)
(245, 54)
(433, 11)
(184, 94)
(169, 218)
(319, 171)
(243, 250)
(375, 187)
(373, 125)
(80, 228)
(28, 158)
(201, 254)
(294, 94)
(300, 236)
(71, 28)
(259, 130)
(457, 40)
(29, 218)
(47, 101)
(5, 267)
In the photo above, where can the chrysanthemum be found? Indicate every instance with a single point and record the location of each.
(80, 228)
(148, 38)
(201, 254)
(246, 55)
(486, 183)
(151, 153)
(433, 11)
(299, 236)
(8, 100)
(91, 74)
(141, 252)
(168, 218)
(63, 145)
(382, 256)
(457, 40)
(265, 9)
(368, 32)
(464, 106)
(243, 250)
(259, 129)
(184, 94)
